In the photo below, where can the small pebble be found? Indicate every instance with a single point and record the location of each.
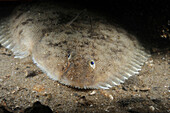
(111, 97)
(91, 105)
(150, 65)
(93, 93)
(151, 108)
(1, 80)
(163, 58)
(107, 94)
(13, 91)
(38, 88)
(151, 61)
(30, 73)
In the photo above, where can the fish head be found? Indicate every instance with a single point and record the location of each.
(80, 70)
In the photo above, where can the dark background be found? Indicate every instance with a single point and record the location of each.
(144, 18)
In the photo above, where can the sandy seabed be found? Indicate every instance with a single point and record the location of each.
(22, 85)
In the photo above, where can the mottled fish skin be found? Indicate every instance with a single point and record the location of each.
(78, 55)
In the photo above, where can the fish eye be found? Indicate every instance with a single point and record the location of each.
(69, 56)
(92, 63)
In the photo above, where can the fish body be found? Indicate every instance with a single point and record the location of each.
(87, 53)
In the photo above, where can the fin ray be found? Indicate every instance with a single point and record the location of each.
(8, 41)
(132, 68)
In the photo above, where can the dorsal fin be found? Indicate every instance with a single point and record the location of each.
(130, 69)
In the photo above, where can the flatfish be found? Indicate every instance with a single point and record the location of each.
(81, 50)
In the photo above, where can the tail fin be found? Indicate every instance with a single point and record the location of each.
(9, 42)
(5, 39)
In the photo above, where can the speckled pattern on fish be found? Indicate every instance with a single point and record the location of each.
(86, 53)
